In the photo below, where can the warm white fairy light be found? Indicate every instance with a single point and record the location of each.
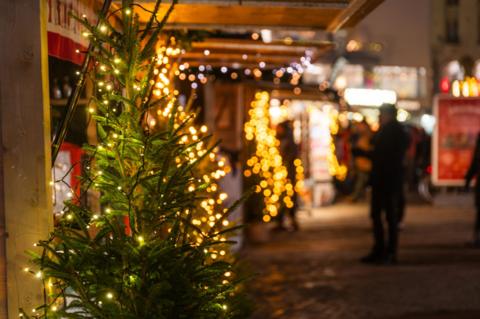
(211, 213)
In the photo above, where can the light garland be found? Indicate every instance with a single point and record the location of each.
(212, 212)
(470, 87)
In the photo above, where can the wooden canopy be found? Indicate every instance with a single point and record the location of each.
(249, 16)
(329, 15)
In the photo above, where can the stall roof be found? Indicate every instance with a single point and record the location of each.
(329, 15)
(302, 18)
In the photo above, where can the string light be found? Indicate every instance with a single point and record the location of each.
(212, 212)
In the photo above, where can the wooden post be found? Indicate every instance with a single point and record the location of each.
(25, 198)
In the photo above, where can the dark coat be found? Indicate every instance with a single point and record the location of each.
(389, 147)
(474, 171)
(289, 152)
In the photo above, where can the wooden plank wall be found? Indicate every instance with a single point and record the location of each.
(25, 198)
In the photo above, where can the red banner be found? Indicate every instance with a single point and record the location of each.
(67, 179)
(458, 123)
(65, 39)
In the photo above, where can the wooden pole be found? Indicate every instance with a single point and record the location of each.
(25, 198)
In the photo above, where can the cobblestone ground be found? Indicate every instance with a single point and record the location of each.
(315, 272)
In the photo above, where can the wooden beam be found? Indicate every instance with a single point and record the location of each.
(356, 10)
(237, 65)
(240, 27)
(250, 53)
(256, 14)
(26, 200)
(238, 57)
(325, 4)
(209, 16)
(297, 47)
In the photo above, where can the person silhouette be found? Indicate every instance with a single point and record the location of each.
(389, 147)
(474, 171)
(289, 152)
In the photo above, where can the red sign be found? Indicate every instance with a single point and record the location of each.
(458, 123)
(65, 40)
(67, 179)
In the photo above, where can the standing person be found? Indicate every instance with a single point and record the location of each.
(361, 160)
(407, 170)
(289, 152)
(389, 147)
(474, 171)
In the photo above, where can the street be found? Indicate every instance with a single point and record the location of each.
(315, 273)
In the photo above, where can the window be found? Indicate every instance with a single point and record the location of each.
(453, 70)
(451, 21)
(476, 69)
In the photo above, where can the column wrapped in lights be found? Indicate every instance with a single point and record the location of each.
(265, 165)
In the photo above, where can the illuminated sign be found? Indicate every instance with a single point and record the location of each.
(369, 97)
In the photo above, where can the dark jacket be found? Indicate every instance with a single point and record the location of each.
(389, 147)
(474, 171)
(289, 152)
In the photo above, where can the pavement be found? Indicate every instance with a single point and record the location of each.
(315, 273)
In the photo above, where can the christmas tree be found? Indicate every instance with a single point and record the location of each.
(159, 247)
